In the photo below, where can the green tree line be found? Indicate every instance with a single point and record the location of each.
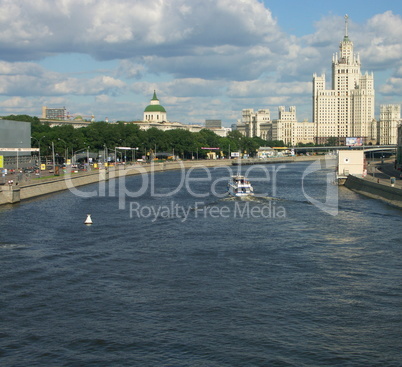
(100, 135)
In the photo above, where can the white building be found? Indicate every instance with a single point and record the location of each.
(165, 126)
(59, 113)
(305, 132)
(285, 128)
(390, 119)
(350, 162)
(155, 112)
(347, 109)
(255, 123)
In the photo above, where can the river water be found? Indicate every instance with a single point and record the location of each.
(174, 273)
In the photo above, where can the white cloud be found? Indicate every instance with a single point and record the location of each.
(99, 84)
(103, 98)
(194, 53)
(13, 102)
(20, 68)
(393, 86)
(126, 27)
(30, 79)
(130, 69)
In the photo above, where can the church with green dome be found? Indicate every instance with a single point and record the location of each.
(155, 112)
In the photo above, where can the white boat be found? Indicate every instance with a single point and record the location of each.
(239, 186)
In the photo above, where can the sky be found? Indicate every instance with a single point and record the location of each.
(206, 59)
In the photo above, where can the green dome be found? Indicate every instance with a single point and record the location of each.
(154, 108)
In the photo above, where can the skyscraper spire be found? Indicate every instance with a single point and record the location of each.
(346, 38)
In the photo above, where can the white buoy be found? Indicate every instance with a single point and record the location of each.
(88, 220)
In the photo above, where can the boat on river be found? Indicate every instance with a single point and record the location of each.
(239, 186)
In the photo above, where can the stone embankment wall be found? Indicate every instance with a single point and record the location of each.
(14, 194)
(380, 191)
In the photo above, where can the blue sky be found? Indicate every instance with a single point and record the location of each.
(207, 59)
(298, 17)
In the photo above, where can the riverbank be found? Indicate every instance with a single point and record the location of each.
(378, 185)
(27, 189)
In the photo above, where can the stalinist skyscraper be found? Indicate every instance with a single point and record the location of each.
(347, 109)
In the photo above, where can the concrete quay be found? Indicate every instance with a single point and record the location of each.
(377, 184)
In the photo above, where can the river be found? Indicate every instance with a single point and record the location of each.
(174, 273)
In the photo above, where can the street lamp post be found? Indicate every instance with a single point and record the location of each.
(16, 168)
(54, 160)
(65, 149)
(18, 157)
(39, 158)
(372, 164)
(88, 159)
(144, 148)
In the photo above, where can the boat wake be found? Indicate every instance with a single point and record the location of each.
(251, 198)
(8, 246)
(264, 199)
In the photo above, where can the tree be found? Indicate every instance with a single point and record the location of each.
(332, 141)
(249, 146)
(25, 118)
(182, 142)
(235, 135)
(227, 146)
(276, 143)
(211, 139)
(305, 144)
(155, 139)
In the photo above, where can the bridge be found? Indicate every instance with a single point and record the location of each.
(375, 150)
